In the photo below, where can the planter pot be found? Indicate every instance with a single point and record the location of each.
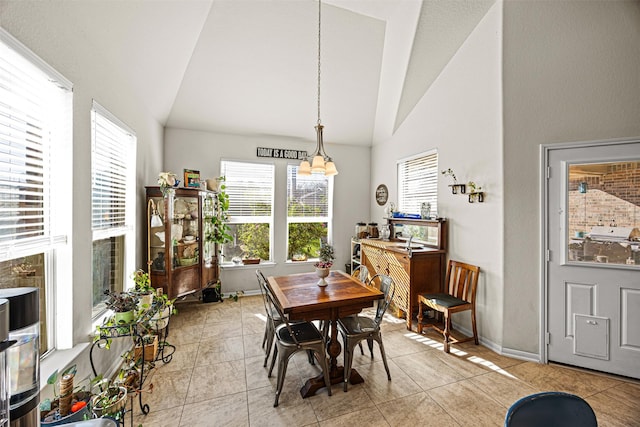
(160, 320)
(145, 301)
(49, 419)
(211, 294)
(117, 401)
(123, 318)
(149, 350)
(322, 273)
(247, 261)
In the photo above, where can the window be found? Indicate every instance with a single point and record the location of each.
(309, 201)
(250, 188)
(35, 169)
(113, 160)
(418, 183)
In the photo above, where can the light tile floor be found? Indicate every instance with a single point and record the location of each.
(216, 378)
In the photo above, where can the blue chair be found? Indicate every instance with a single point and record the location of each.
(551, 409)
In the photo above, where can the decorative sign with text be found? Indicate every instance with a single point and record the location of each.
(279, 153)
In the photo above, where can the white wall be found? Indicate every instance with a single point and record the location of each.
(187, 149)
(460, 116)
(571, 73)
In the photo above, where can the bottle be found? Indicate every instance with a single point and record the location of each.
(361, 230)
(372, 230)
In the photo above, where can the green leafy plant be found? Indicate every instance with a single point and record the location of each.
(121, 302)
(473, 187)
(218, 229)
(326, 256)
(80, 395)
(449, 172)
(142, 282)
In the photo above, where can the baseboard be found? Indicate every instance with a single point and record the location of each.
(509, 352)
(521, 355)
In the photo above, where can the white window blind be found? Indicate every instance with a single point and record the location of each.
(250, 189)
(35, 103)
(113, 166)
(307, 195)
(418, 183)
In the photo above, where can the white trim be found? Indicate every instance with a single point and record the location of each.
(545, 150)
(521, 355)
(95, 106)
(417, 156)
(29, 55)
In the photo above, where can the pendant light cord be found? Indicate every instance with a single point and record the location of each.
(319, 38)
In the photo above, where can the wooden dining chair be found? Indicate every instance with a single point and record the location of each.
(355, 329)
(361, 273)
(551, 409)
(291, 338)
(460, 295)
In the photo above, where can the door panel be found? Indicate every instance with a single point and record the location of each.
(593, 273)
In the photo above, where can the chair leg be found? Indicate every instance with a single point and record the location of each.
(447, 331)
(324, 364)
(266, 334)
(369, 344)
(310, 357)
(268, 350)
(361, 350)
(473, 324)
(384, 357)
(273, 360)
(420, 316)
(283, 360)
(348, 360)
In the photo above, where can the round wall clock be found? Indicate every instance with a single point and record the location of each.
(382, 194)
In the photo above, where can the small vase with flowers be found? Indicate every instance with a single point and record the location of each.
(325, 261)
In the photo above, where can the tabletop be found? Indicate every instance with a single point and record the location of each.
(302, 299)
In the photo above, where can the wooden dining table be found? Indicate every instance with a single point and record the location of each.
(301, 298)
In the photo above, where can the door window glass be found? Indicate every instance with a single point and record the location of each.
(604, 213)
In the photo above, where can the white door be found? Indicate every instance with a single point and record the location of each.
(593, 269)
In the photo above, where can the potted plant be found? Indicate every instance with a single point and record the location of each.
(164, 309)
(70, 403)
(143, 288)
(326, 256)
(123, 305)
(110, 402)
(455, 186)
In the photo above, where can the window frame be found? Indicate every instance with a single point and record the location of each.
(309, 219)
(126, 228)
(251, 219)
(57, 173)
(430, 186)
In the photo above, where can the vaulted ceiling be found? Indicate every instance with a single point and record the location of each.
(250, 66)
(254, 66)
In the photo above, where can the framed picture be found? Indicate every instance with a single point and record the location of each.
(191, 178)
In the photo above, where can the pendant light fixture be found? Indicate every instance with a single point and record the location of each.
(320, 161)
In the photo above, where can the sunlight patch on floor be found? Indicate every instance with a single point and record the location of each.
(261, 316)
(424, 340)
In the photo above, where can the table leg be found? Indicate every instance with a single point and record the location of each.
(336, 373)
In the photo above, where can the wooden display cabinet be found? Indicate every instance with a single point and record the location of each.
(180, 259)
(419, 270)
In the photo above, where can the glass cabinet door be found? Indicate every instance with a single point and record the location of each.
(185, 231)
(157, 250)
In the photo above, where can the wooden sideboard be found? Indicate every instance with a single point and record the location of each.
(420, 270)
